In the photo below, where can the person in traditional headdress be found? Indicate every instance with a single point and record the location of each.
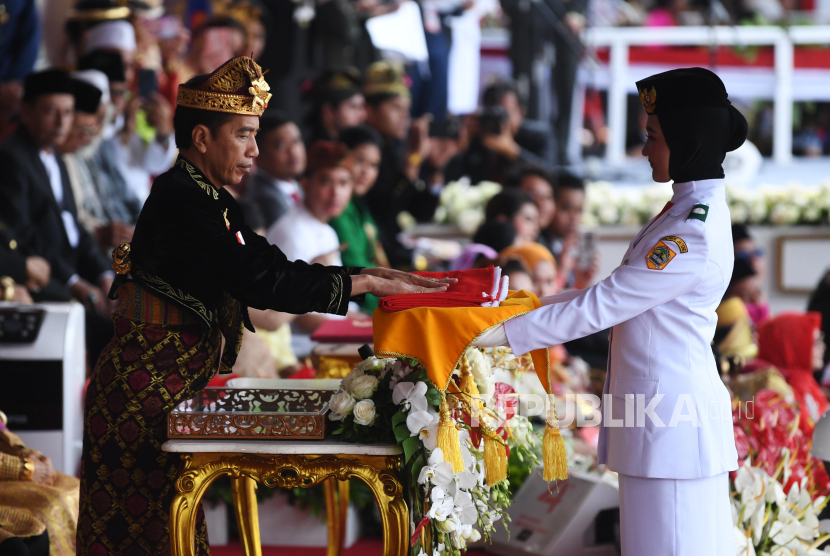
(184, 282)
(406, 146)
(667, 419)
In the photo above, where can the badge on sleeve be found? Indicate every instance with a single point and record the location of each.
(660, 256)
(699, 212)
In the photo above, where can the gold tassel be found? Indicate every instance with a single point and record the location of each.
(448, 437)
(495, 458)
(553, 448)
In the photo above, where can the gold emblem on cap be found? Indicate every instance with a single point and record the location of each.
(237, 87)
(649, 99)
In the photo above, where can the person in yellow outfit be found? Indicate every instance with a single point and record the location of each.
(38, 505)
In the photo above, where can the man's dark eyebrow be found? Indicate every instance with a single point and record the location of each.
(650, 129)
(247, 128)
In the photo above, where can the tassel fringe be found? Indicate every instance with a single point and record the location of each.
(495, 459)
(448, 437)
(553, 448)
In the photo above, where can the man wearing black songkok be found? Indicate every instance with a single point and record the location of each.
(36, 201)
(667, 423)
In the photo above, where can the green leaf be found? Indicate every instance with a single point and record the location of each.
(399, 417)
(433, 396)
(401, 433)
(339, 430)
(418, 376)
(410, 447)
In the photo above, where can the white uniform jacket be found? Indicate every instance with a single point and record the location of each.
(661, 304)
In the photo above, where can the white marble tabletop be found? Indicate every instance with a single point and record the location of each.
(296, 447)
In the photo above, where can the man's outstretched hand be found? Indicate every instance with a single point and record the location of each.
(409, 278)
(383, 287)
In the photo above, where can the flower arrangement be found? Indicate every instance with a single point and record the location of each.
(780, 489)
(463, 204)
(606, 205)
(458, 490)
(772, 428)
(768, 521)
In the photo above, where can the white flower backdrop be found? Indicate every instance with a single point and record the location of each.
(607, 205)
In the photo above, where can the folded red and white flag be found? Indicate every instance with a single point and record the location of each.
(480, 287)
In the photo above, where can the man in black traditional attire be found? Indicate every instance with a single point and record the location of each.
(192, 268)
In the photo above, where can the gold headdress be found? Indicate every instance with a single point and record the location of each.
(237, 87)
(385, 78)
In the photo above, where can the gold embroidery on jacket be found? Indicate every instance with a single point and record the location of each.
(197, 177)
(336, 294)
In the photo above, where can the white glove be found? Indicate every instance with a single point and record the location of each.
(495, 337)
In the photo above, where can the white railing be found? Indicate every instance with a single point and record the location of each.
(619, 39)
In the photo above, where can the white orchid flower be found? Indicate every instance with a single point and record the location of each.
(743, 543)
(466, 480)
(412, 396)
(437, 471)
(425, 425)
(417, 420)
(464, 510)
(442, 505)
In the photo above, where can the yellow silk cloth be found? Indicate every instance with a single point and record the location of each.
(438, 336)
(27, 508)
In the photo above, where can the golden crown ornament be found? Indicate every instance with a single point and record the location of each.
(236, 87)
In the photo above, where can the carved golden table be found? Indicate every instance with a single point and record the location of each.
(287, 464)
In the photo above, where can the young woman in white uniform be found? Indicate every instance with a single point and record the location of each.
(673, 467)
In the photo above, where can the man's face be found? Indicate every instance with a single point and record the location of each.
(568, 213)
(230, 152)
(85, 127)
(391, 118)
(542, 192)
(282, 152)
(350, 112)
(48, 118)
(515, 114)
(327, 192)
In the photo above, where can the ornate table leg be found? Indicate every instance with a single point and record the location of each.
(337, 512)
(333, 517)
(290, 471)
(343, 492)
(247, 518)
(200, 470)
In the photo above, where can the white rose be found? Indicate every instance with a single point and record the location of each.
(364, 386)
(341, 405)
(346, 383)
(364, 412)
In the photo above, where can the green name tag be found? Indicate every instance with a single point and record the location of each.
(700, 212)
